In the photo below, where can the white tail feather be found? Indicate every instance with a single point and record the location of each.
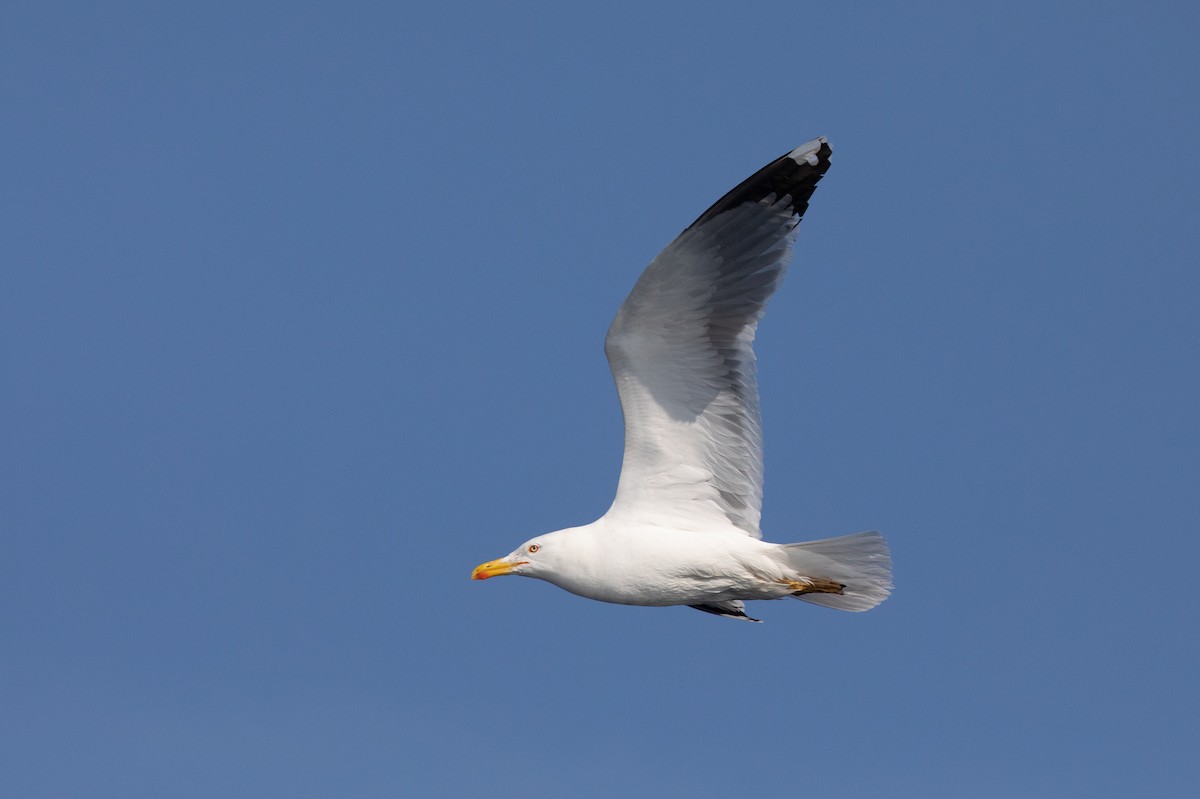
(861, 562)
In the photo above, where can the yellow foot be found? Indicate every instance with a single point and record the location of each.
(814, 585)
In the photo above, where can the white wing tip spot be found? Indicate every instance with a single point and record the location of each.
(807, 153)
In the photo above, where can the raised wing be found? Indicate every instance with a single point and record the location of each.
(680, 351)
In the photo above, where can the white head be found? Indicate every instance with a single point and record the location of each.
(546, 557)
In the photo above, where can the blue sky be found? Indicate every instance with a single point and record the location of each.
(302, 308)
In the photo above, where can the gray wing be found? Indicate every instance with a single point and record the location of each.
(681, 353)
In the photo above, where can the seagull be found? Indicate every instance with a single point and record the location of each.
(684, 526)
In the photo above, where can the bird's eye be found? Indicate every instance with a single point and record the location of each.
(532, 548)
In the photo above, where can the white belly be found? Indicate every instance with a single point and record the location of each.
(659, 567)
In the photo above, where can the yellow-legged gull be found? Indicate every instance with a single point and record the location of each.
(684, 526)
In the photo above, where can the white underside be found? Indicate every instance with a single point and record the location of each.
(647, 565)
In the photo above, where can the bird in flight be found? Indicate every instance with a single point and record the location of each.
(684, 526)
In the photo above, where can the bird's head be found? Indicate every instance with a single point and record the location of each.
(546, 557)
(526, 560)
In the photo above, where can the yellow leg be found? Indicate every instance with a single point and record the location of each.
(814, 585)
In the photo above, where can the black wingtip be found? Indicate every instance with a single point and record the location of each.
(794, 174)
(726, 611)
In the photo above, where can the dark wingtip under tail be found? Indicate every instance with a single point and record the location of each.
(730, 610)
